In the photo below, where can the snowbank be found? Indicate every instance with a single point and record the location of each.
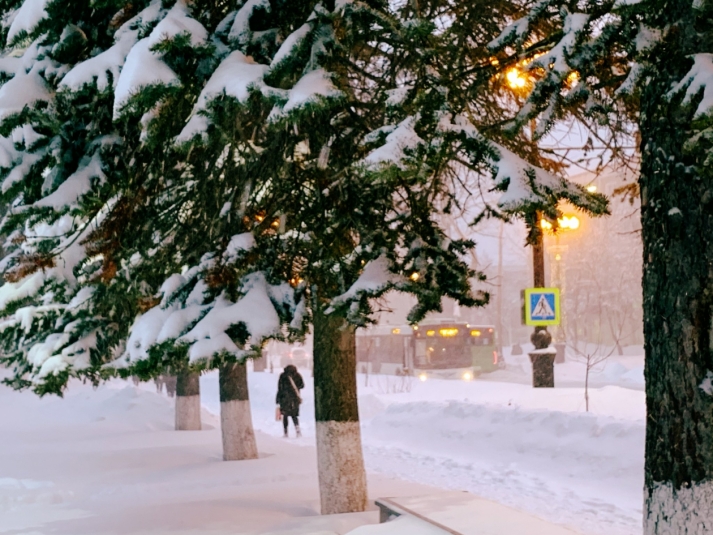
(110, 456)
(535, 450)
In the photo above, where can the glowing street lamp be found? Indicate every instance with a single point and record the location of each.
(515, 78)
(566, 222)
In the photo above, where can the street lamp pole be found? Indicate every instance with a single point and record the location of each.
(541, 338)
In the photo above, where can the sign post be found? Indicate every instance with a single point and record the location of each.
(541, 308)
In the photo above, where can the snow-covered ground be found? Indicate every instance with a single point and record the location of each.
(625, 370)
(108, 462)
(64, 463)
(534, 449)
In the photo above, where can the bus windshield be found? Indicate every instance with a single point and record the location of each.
(441, 354)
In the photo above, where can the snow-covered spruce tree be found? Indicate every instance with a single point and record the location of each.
(655, 57)
(317, 159)
(187, 56)
(74, 170)
(309, 178)
(62, 312)
(156, 86)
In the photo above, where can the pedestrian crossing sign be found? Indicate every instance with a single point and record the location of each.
(542, 306)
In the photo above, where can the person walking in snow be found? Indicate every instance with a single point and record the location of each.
(288, 397)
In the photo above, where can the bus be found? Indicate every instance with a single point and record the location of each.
(445, 349)
(386, 349)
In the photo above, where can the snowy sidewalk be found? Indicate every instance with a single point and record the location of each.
(107, 462)
(535, 450)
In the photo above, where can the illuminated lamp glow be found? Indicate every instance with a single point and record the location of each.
(448, 332)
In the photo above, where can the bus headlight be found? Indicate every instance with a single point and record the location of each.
(467, 376)
(422, 376)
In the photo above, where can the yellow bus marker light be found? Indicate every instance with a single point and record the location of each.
(448, 332)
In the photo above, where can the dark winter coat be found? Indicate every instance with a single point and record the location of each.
(287, 398)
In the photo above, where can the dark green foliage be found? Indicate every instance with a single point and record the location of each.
(343, 158)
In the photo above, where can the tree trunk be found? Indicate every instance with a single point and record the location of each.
(586, 386)
(342, 478)
(236, 421)
(188, 402)
(677, 229)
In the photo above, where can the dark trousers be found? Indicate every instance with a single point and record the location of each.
(295, 420)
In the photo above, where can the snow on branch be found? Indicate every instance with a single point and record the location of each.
(556, 59)
(290, 44)
(177, 22)
(238, 244)
(111, 60)
(241, 24)
(204, 327)
(254, 310)
(700, 77)
(98, 67)
(525, 186)
(516, 31)
(310, 88)
(27, 18)
(22, 169)
(376, 278)
(23, 90)
(143, 68)
(236, 75)
(519, 29)
(400, 139)
(75, 185)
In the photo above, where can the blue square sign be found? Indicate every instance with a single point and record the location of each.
(542, 306)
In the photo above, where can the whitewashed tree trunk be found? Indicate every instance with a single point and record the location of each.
(676, 184)
(188, 402)
(235, 417)
(686, 511)
(340, 462)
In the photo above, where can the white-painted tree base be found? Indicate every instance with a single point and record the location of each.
(340, 463)
(188, 413)
(237, 428)
(687, 511)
